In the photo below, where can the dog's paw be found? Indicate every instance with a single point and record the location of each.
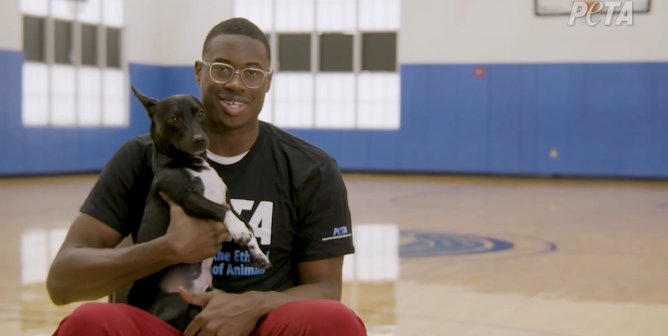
(261, 261)
(238, 230)
(241, 237)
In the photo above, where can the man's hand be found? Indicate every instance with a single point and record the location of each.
(193, 239)
(224, 314)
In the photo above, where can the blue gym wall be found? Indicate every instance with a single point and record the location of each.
(604, 117)
(603, 120)
(42, 150)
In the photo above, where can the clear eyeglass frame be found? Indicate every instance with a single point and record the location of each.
(245, 74)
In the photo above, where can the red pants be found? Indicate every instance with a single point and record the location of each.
(298, 318)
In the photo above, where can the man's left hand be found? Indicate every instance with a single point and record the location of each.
(223, 314)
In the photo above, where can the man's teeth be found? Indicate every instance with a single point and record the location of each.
(233, 102)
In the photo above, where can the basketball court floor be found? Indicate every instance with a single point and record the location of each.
(436, 255)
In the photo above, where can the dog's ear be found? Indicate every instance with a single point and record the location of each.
(148, 102)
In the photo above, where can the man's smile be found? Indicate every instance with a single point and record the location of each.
(233, 104)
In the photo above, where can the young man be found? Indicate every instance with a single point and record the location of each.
(293, 190)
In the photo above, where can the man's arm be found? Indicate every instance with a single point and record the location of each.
(88, 266)
(320, 279)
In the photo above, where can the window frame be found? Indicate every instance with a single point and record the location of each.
(298, 81)
(78, 65)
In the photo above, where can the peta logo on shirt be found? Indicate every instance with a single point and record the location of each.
(339, 232)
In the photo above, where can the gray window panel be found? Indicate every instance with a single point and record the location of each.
(88, 44)
(63, 42)
(294, 52)
(33, 39)
(336, 52)
(113, 47)
(379, 51)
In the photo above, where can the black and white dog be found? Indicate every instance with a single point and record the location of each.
(178, 130)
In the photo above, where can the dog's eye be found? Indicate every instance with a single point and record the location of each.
(200, 114)
(173, 119)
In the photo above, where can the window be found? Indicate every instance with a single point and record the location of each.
(294, 52)
(336, 52)
(336, 62)
(63, 42)
(73, 75)
(379, 51)
(113, 47)
(33, 38)
(89, 45)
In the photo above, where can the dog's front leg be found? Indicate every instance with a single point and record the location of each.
(198, 205)
(237, 226)
(176, 183)
(239, 231)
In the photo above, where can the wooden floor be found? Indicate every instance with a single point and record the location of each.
(436, 255)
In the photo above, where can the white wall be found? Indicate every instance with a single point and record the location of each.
(170, 32)
(11, 32)
(494, 31)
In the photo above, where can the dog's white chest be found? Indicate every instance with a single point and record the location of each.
(215, 189)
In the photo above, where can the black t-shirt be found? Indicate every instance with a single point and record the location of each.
(290, 192)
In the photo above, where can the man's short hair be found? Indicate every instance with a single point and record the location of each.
(238, 26)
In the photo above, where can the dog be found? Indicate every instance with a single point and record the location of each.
(178, 131)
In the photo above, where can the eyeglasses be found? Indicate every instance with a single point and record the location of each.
(223, 73)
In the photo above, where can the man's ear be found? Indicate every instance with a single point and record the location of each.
(148, 102)
(198, 72)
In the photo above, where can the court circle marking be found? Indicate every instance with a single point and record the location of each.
(426, 244)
